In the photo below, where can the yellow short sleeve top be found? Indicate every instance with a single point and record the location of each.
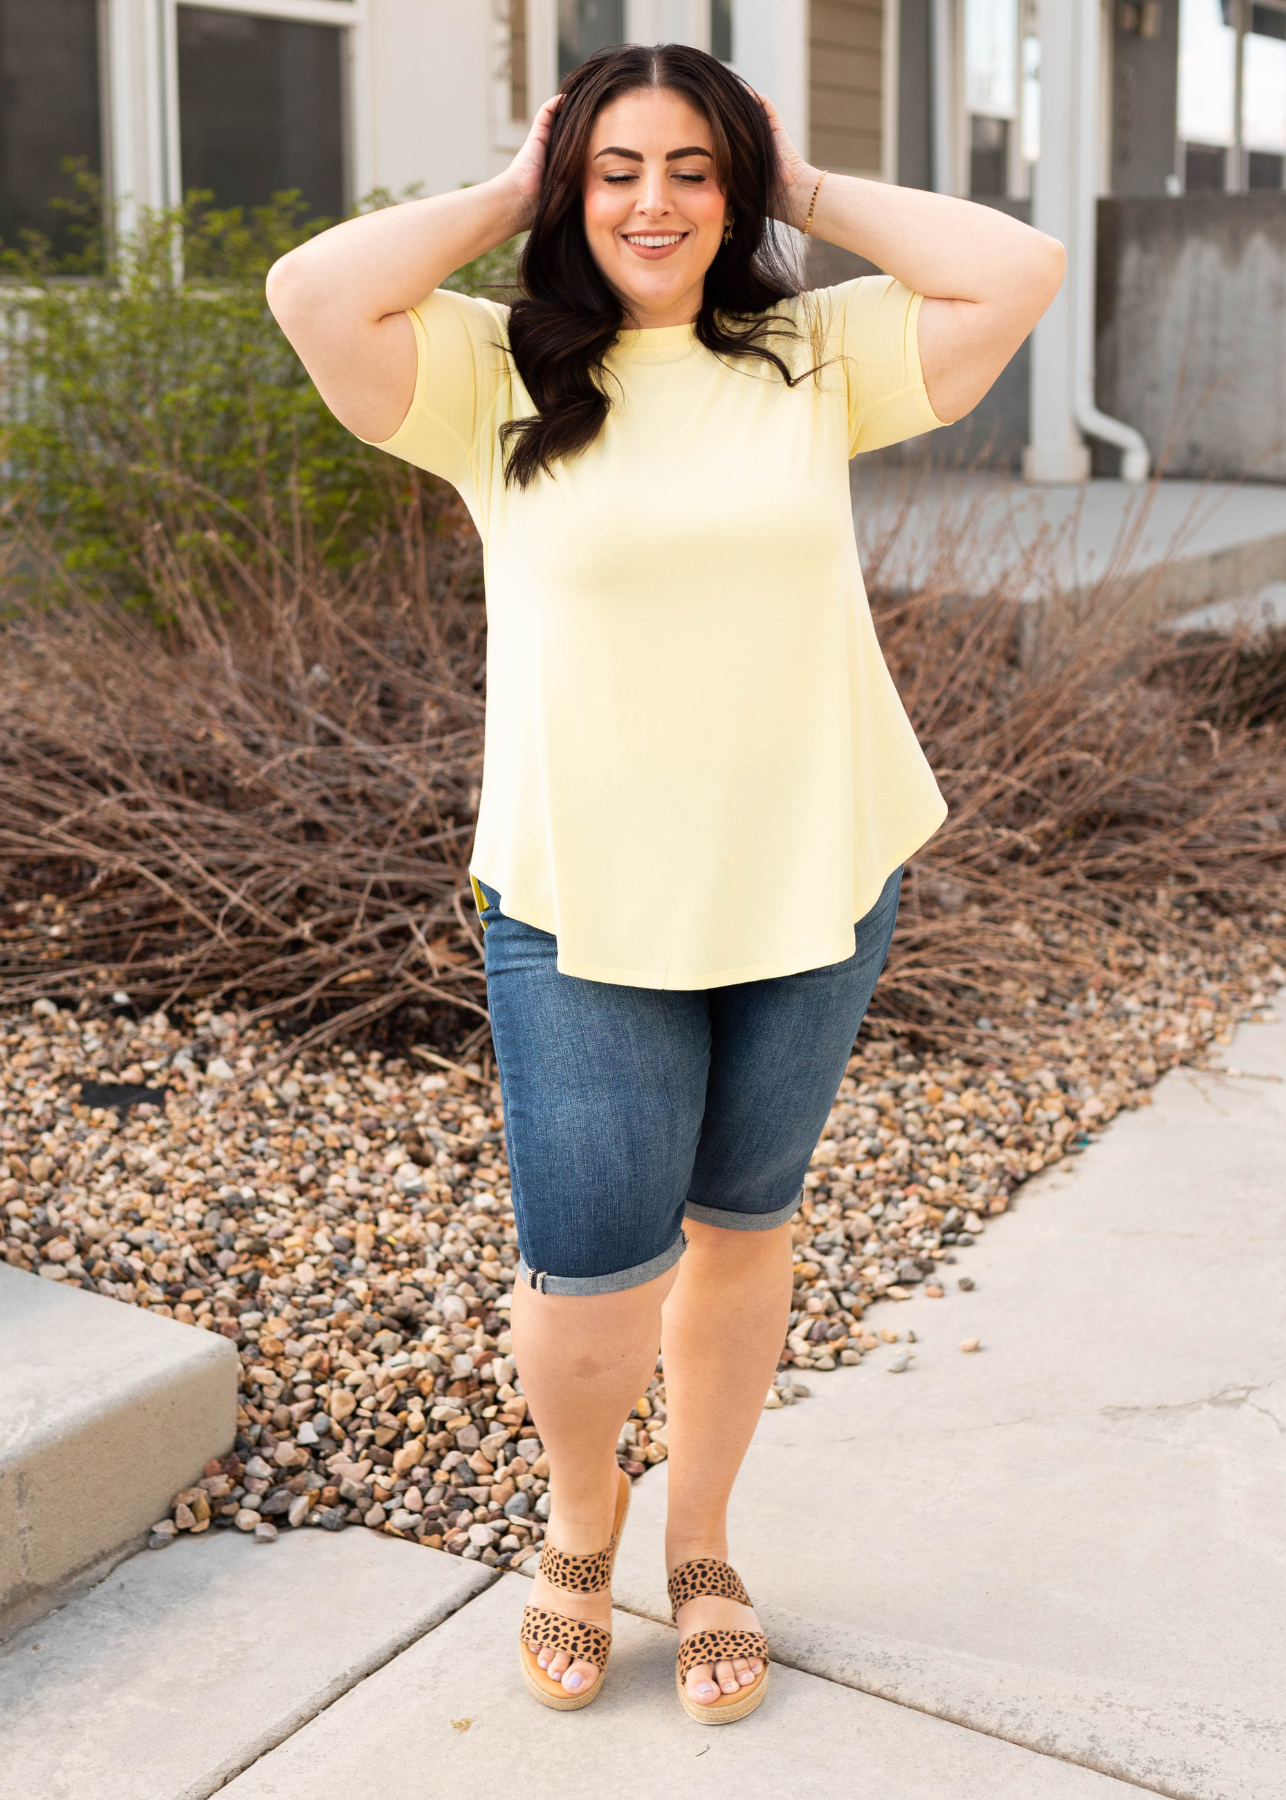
(697, 768)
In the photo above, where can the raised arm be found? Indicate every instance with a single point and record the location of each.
(342, 297)
(986, 277)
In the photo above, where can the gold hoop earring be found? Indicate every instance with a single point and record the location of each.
(727, 232)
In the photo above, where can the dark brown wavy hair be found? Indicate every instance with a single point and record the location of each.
(568, 317)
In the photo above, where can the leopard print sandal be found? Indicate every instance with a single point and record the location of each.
(709, 1576)
(592, 1643)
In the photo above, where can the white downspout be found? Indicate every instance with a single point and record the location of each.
(1136, 462)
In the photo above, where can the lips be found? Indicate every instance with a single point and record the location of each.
(653, 245)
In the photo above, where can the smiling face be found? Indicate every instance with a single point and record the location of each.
(654, 210)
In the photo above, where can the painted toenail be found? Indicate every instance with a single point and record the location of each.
(573, 1682)
(706, 1687)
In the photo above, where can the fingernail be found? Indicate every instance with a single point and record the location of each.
(573, 1682)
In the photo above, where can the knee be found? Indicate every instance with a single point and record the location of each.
(730, 1248)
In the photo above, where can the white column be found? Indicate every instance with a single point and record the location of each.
(944, 77)
(1056, 452)
(138, 130)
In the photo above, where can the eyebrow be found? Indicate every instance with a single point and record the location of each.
(637, 155)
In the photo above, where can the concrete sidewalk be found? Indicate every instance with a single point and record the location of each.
(1182, 544)
(1076, 1539)
(1053, 1570)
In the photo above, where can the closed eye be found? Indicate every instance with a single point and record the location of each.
(694, 179)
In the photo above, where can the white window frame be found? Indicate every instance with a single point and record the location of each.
(140, 40)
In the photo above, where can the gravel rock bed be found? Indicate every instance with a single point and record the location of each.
(344, 1219)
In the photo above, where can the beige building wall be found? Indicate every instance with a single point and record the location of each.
(847, 57)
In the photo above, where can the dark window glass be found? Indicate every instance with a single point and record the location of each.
(49, 110)
(585, 26)
(261, 109)
(1203, 169)
(721, 29)
(1267, 21)
(988, 156)
(1265, 170)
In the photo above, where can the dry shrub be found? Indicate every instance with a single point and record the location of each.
(1110, 783)
(272, 797)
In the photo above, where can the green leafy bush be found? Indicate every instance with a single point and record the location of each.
(152, 405)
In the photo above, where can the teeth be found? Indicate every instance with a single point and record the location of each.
(654, 243)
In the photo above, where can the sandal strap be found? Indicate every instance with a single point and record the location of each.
(577, 1574)
(720, 1646)
(589, 1643)
(706, 1575)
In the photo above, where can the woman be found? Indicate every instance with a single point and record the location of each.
(698, 773)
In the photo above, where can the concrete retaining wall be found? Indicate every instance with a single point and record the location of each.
(1191, 347)
(1192, 330)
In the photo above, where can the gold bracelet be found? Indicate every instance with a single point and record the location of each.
(813, 202)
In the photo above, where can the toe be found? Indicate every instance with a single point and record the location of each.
(724, 1676)
(741, 1669)
(558, 1665)
(580, 1676)
(701, 1686)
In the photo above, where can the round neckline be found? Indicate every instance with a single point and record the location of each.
(655, 343)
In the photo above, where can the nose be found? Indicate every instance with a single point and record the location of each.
(652, 199)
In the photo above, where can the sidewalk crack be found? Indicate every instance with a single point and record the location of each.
(1229, 1397)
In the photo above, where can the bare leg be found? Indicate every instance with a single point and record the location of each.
(584, 1363)
(723, 1327)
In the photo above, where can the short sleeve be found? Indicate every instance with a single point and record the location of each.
(463, 381)
(872, 325)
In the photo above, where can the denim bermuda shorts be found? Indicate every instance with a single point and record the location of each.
(628, 1109)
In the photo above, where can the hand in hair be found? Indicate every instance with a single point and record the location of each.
(527, 169)
(797, 177)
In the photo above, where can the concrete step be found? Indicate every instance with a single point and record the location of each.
(186, 1664)
(1071, 1539)
(105, 1413)
(452, 1713)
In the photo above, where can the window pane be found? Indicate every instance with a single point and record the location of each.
(721, 29)
(1207, 73)
(261, 109)
(1270, 20)
(991, 57)
(1204, 169)
(1263, 92)
(988, 157)
(585, 26)
(48, 109)
(1265, 171)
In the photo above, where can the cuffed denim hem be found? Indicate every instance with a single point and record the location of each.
(742, 1221)
(582, 1285)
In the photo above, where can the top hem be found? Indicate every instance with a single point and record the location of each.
(767, 971)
